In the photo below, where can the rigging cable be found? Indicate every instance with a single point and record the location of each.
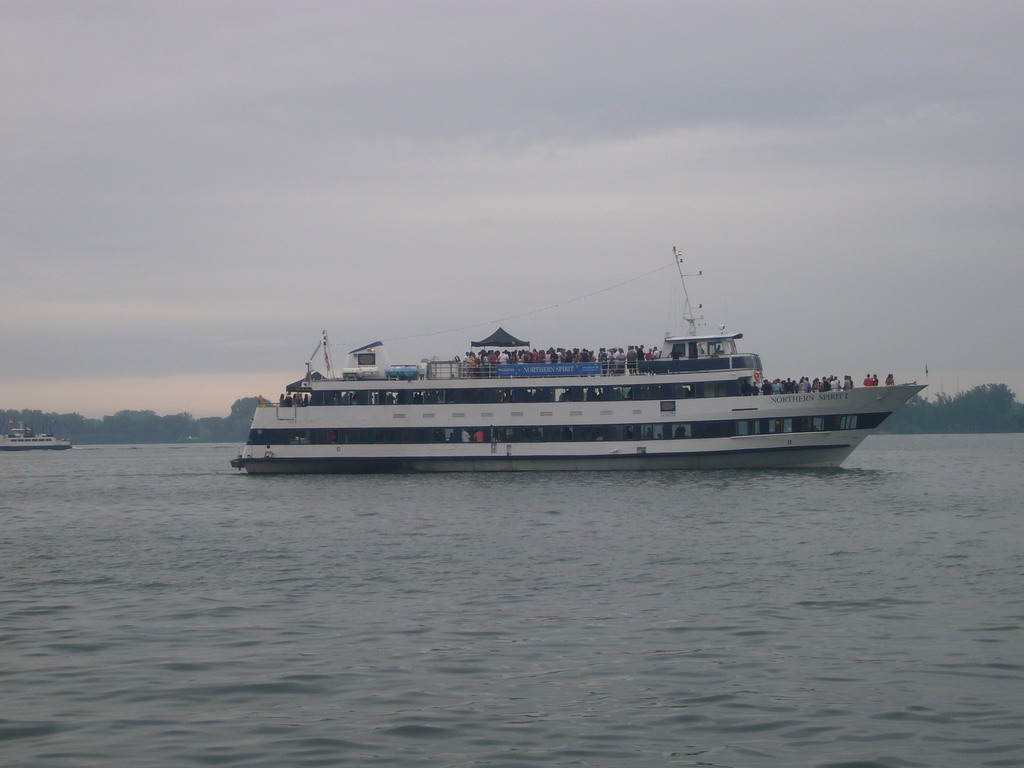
(533, 311)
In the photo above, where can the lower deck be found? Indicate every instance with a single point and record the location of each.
(809, 430)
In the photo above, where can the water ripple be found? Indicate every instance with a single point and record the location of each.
(156, 612)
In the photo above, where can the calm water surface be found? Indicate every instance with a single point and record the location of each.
(159, 609)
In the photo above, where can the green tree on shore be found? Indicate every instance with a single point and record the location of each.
(141, 426)
(985, 408)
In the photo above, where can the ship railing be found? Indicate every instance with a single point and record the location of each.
(462, 369)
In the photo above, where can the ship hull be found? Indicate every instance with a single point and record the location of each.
(827, 456)
(778, 432)
(34, 447)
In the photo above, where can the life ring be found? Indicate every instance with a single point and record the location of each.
(268, 455)
(757, 376)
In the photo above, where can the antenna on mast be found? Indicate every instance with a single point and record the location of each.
(688, 316)
(327, 356)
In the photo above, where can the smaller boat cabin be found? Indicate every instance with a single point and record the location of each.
(694, 347)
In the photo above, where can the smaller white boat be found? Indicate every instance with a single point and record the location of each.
(22, 438)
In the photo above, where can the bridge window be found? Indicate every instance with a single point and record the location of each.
(339, 397)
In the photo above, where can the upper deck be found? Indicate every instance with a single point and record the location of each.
(678, 354)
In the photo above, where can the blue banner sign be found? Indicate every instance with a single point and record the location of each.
(549, 369)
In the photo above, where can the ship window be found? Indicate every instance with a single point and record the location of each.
(719, 429)
(501, 434)
(620, 393)
(810, 424)
(680, 431)
(536, 395)
(411, 436)
(432, 396)
(561, 434)
(383, 397)
(712, 389)
(591, 433)
(339, 397)
(752, 427)
(776, 426)
(563, 395)
(299, 437)
(652, 391)
(621, 432)
(472, 395)
(682, 391)
(530, 434)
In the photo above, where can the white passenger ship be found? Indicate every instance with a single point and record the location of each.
(692, 408)
(22, 438)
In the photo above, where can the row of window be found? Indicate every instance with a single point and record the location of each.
(575, 433)
(474, 396)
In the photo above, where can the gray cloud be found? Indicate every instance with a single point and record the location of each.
(200, 188)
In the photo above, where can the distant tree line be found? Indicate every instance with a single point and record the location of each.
(986, 408)
(141, 426)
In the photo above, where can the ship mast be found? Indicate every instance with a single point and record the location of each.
(688, 317)
(326, 347)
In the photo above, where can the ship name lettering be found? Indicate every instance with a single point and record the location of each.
(791, 398)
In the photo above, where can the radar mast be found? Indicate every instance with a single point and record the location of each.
(689, 320)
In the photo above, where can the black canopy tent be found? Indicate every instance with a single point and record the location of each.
(500, 338)
(296, 386)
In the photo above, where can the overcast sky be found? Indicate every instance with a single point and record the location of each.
(192, 191)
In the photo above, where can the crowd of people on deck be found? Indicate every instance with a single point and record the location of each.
(287, 400)
(806, 385)
(612, 359)
(619, 360)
